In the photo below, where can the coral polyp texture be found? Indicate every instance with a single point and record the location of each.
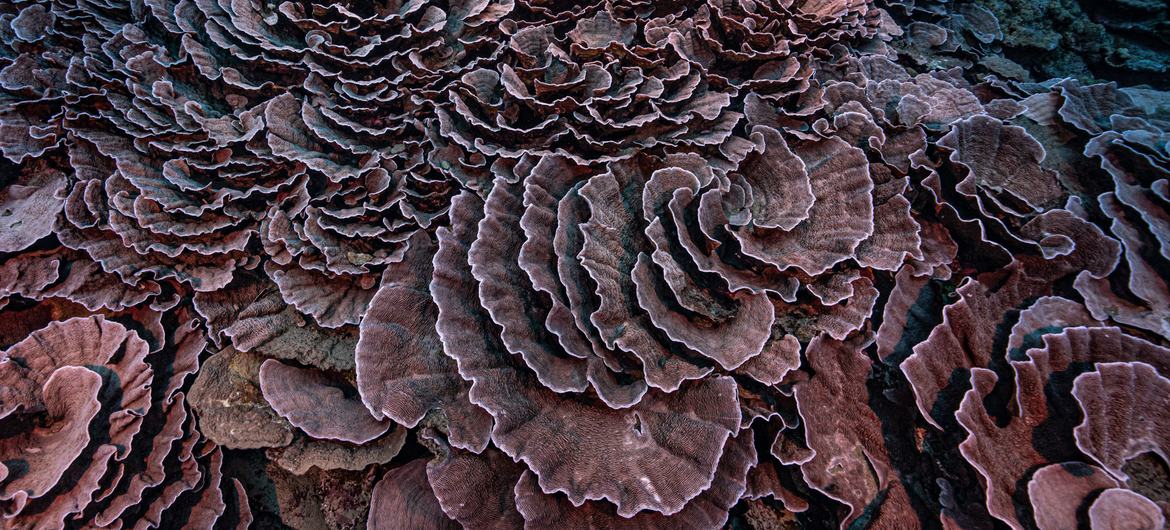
(496, 264)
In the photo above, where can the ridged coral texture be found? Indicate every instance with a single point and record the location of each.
(600, 264)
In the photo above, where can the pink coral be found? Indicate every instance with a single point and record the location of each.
(587, 264)
(107, 436)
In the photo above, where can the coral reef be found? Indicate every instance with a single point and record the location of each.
(607, 264)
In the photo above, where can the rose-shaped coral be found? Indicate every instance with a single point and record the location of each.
(98, 429)
(597, 264)
(601, 92)
(764, 46)
(619, 305)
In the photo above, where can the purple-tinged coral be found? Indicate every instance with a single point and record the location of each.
(99, 430)
(627, 264)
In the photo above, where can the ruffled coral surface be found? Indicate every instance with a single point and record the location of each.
(584, 265)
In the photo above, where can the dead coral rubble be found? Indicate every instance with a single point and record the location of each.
(618, 264)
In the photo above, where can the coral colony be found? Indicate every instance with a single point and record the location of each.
(611, 264)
